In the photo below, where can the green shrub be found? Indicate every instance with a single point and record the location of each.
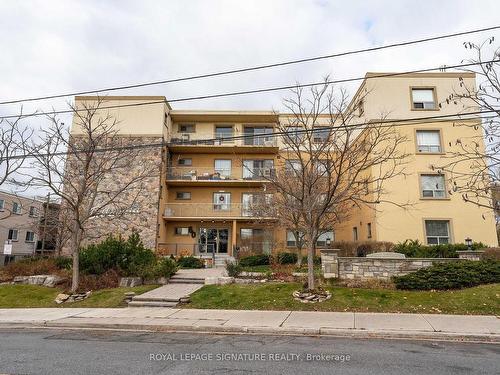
(63, 263)
(287, 258)
(163, 267)
(350, 248)
(451, 275)
(190, 262)
(414, 249)
(233, 269)
(255, 260)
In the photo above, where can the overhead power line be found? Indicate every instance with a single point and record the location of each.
(255, 91)
(252, 68)
(208, 141)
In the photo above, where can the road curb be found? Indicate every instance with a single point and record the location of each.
(288, 331)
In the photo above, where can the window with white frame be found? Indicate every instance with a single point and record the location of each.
(187, 128)
(183, 195)
(16, 208)
(325, 239)
(294, 134)
(30, 236)
(321, 134)
(291, 240)
(222, 201)
(423, 98)
(12, 235)
(355, 233)
(429, 141)
(258, 168)
(223, 167)
(437, 232)
(293, 166)
(433, 186)
(33, 212)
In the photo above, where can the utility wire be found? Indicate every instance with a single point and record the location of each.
(220, 140)
(255, 91)
(257, 67)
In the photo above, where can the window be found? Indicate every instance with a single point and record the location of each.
(12, 235)
(428, 141)
(251, 201)
(437, 232)
(257, 168)
(295, 134)
(290, 238)
(30, 237)
(355, 233)
(293, 166)
(222, 201)
(256, 136)
(182, 231)
(432, 186)
(186, 162)
(183, 195)
(251, 233)
(2, 204)
(321, 135)
(187, 128)
(16, 208)
(222, 132)
(369, 229)
(325, 239)
(423, 98)
(361, 108)
(223, 167)
(33, 211)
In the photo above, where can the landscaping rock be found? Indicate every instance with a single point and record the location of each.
(52, 280)
(45, 280)
(130, 282)
(225, 280)
(308, 297)
(61, 298)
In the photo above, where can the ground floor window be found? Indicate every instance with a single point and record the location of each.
(325, 239)
(355, 233)
(437, 232)
(30, 236)
(182, 231)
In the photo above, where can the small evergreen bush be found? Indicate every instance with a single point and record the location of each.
(287, 258)
(233, 269)
(255, 260)
(452, 275)
(414, 249)
(190, 262)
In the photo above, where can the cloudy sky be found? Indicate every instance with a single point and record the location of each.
(51, 46)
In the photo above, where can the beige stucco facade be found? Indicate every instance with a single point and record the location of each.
(198, 178)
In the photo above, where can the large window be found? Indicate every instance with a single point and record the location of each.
(256, 135)
(293, 166)
(423, 98)
(257, 168)
(222, 201)
(437, 232)
(429, 141)
(432, 186)
(224, 133)
(12, 235)
(251, 202)
(321, 135)
(290, 238)
(33, 212)
(223, 167)
(294, 134)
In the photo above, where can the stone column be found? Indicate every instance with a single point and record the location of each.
(330, 263)
(470, 254)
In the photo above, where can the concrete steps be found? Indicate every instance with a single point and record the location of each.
(134, 303)
(182, 280)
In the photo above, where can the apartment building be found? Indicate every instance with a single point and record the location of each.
(214, 165)
(19, 217)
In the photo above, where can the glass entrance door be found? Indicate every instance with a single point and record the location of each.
(214, 239)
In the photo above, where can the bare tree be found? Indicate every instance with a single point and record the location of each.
(14, 147)
(98, 175)
(329, 164)
(474, 166)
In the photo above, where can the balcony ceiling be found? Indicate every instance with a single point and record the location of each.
(224, 116)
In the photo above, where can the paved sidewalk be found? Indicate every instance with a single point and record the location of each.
(414, 326)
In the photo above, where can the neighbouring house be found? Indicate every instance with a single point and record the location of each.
(23, 228)
(199, 201)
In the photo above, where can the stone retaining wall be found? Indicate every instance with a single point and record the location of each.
(372, 268)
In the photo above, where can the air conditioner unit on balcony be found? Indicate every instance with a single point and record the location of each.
(185, 137)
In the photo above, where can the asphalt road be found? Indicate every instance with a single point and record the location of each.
(108, 352)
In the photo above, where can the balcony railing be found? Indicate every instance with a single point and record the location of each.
(209, 210)
(218, 139)
(212, 174)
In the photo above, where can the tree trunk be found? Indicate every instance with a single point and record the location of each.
(75, 251)
(310, 266)
(299, 256)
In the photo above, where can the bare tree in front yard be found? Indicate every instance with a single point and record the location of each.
(474, 162)
(98, 175)
(329, 165)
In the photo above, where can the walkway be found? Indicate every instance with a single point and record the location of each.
(414, 326)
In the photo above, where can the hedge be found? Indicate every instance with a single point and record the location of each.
(452, 275)
(190, 262)
(255, 260)
(414, 249)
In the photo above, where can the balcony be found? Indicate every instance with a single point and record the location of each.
(208, 176)
(219, 143)
(209, 211)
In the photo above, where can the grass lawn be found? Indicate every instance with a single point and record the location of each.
(484, 300)
(40, 296)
